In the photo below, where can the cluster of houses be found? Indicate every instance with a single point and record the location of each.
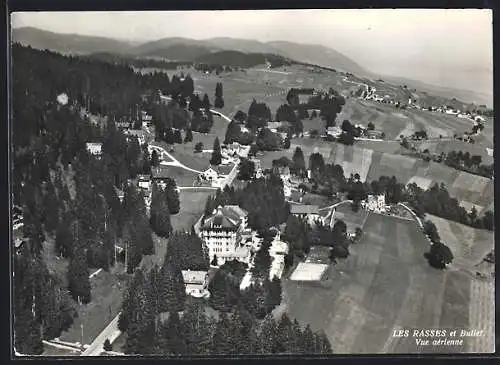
(370, 94)
(364, 132)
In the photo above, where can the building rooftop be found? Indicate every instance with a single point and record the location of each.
(304, 209)
(160, 173)
(227, 217)
(194, 277)
(306, 271)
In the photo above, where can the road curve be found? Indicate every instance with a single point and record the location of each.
(110, 332)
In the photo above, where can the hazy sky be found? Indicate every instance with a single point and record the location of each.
(436, 46)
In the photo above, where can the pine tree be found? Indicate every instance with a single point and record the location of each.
(107, 345)
(323, 343)
(219, 101)
(216, 154)
(262, 261)
(233, 132)
(27, 336)
(155, 159)
(160, 212)
(172, 196)
(78, 275)
(307, 342)
(196, 329)
(174, 335)
(64, 238)
(189, 136)
(169, 136)
(51, 208)
(285, 341)
(267, 338)
(299, 165)
(177, 136)
(138, 316)
(222, 341)
(171, 289)
(206, 102)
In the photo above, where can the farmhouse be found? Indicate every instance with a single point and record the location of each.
(144, 182)
(374, 134)
(222, 233)
(94, 148)
(375, 203)
(139, 134)
(160, 176)
(258, 167)
(287, 190)
(273, 126)
(123, 125)
(209, 175)
(284, 172)
(196, 283)
(310, 212)
(334, 131)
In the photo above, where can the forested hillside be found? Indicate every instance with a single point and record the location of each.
(66, 195)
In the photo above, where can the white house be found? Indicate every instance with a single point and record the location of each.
(334, 131)
(209, 174)
(273, 126)
(287, 190)
(144, 182)
(375, 203)
(94, 148)
(310, 212)
(140, 134)
(222, 233)
(277, 251)
(196, 283)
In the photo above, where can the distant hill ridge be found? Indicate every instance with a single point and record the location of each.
(184, 49)
(178, 49)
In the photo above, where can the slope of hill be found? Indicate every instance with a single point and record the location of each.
(309, 53)
(176, 52)
(240, 59)
(67, 43)
(152, 47)
(320, 55)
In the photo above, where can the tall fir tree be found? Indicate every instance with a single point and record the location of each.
(172, 195)
(216, 158)
(78, 274)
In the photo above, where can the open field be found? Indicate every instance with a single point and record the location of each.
(351, 219)
(55, 351)
(192, 207)
(182, 176)
(386, 284)
(468, 245)
(107, 289)
(438, 147)
(370, 165)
